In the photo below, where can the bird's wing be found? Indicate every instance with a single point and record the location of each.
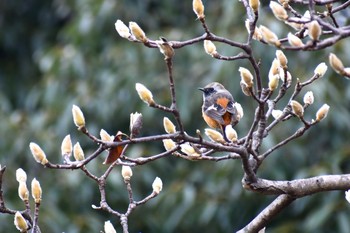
(216, 112)
(231, 108)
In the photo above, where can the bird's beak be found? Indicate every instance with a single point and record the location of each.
(201, 89)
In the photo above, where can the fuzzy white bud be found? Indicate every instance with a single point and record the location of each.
(169, 126)
(36, 190)
(157, 185)
(336, 63)
(66, 146)
(169, 144)
(78, 152)
(108, 227)
(308, 98)
(209, 47)
(122, 29)
(269, 36)
(246, 76)
(347, 195)
(135, 123)
(279, 12)
(78, 116)
(322, 112)
(314, 30)
(38, 153)
(281, 57)
(188, 150)
(215, 136)
(126, 172)
(297, 108)
(105, 136)
(231, 133)
(239, 110)
(144, 94)
(21, 175)
(254, 4)
(138, 32)
(276, 114)
(23, 192)
(198, 8)
(294, 40)
(20, 222)
(321, 69)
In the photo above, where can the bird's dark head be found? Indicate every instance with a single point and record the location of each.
(211, 88)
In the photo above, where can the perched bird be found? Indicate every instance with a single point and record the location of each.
(218, 109)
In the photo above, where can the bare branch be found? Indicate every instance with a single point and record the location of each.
(302, 187)
(261, 220)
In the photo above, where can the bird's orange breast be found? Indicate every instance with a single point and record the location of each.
(223, 102)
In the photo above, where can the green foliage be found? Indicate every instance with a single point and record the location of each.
(55, 54)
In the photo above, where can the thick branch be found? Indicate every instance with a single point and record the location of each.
(301, 187)
(260, 221)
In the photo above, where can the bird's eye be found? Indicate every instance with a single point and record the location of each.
(209, 90)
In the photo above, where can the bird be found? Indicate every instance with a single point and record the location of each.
(218, 109)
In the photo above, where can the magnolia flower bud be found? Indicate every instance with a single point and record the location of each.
(169, 144)
(273, 82)
(215, 135)
(36, 191)
(346, 72)
(122, 29)
(276, 114)
(23, 192)
(78, 117)
(239, 110)
(257, 33)
(306, 15)
(188, 150)
(279, 12)
(322, 112)
(126, 172)
(321, 69)
(282, 59)
(145, 94)
(294, 40)
(314, 30)
(285, 77)
(105, 136)
(269, 36)
(38, 153)
(165, 48)
(297, 108)
(78, 152)
(157, 185)
(245, 88)
(246, 76)
(347, 195)
(284, 2)
(138, 32)
(66, 146)
(254, 4)
(135, 123)
(108, 227)
(20, 222)
(21, 175)
(309, 98)
(275, 68)
(231, 134)
(336, 63)
(168, 126)
(198, 8)
(209, 47)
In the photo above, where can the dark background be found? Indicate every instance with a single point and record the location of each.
(54, 54)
